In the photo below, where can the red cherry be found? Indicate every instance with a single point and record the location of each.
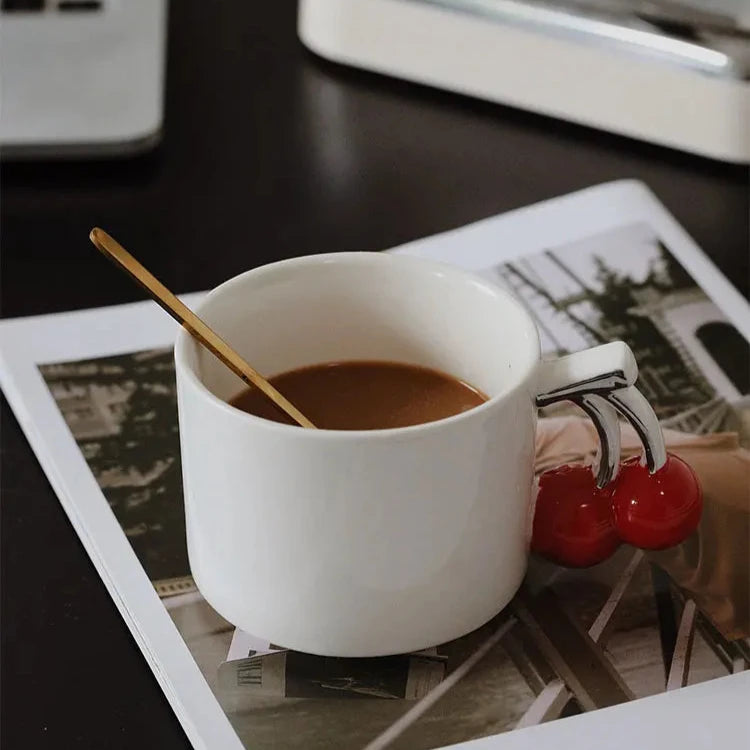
(655, 511)
(573, 518)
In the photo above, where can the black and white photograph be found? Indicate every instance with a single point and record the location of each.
(694, 365)
(572, 641)
(121, 411)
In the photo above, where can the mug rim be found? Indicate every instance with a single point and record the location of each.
(183, 339)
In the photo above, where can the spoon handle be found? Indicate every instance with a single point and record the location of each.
(192, 323)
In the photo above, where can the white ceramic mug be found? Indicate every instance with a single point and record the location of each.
(365, 543)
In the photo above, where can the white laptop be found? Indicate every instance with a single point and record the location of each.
(81, 77)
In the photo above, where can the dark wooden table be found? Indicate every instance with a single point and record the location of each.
(268, 153)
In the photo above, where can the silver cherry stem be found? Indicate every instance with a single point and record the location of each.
(634, 406)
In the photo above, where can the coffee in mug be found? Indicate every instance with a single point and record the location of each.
(364, 395)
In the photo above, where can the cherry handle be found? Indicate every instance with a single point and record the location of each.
(581, 518)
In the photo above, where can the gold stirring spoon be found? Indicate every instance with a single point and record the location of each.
(192, 323)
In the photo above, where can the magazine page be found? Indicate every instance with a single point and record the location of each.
(95, 394)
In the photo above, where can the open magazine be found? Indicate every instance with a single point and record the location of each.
(94, 392)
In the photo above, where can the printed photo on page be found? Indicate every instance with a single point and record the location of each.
(572, 641)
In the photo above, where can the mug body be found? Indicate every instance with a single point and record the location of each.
(360, 543)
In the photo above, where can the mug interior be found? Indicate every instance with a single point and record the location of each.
(365, 306)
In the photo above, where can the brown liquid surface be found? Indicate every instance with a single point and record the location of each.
(364, 395)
